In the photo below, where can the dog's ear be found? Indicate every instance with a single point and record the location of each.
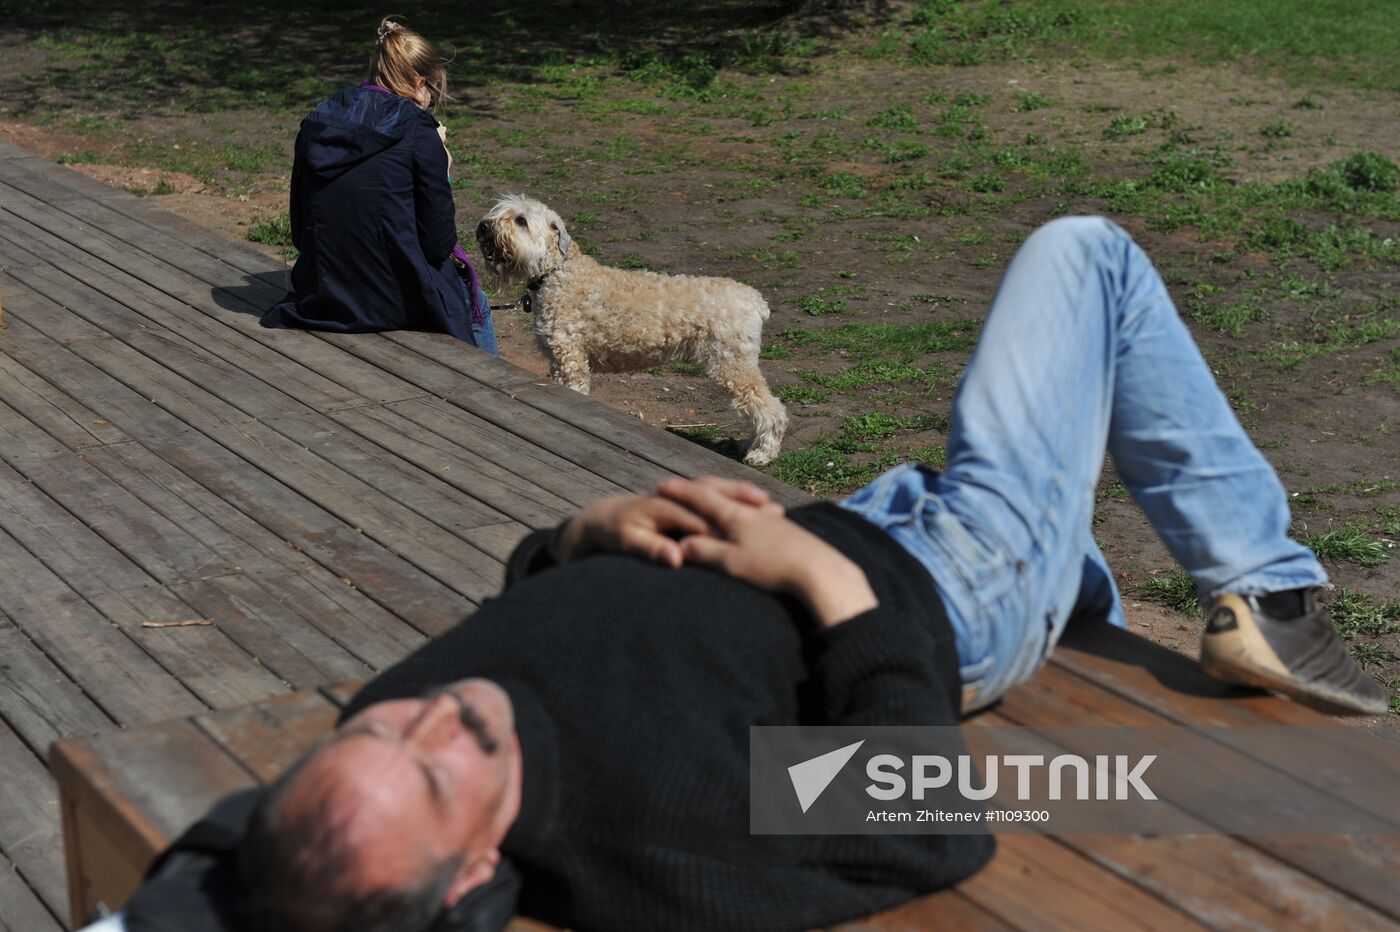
(565, 240)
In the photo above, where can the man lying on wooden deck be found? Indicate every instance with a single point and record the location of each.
(590, 726)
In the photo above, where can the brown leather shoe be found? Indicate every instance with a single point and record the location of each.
(1302, 657)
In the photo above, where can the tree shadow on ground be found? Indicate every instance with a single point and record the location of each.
(205, 57)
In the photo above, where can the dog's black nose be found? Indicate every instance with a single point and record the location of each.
(483, 228)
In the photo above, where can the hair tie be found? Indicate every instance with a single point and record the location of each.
(387, 28)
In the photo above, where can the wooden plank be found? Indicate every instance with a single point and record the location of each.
(151, 320)
(343, 551)
(1135, 668)
(1224, 882)
(302, 653)
(9, 150)
(544, 469)
(411, 534)
(74, 187)
(214, 661)
(124, 680)
(97, 259)
(340, 694)
(29, 828)
(679, 448)
(126, 795)
(160, 548)
(946, 910)
(613, 463)
(1175, 687)
(37, 699)
(379, 644)
(521, 491)
(69, 425)
(1357, 865)
(261, 400)
(269, 737)
(436, 505)
(301, 587)
(1037, 883)
(661, 448)
(20, 909)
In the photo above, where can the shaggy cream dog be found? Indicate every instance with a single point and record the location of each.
(590, 318)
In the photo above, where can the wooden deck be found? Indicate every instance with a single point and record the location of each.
(328, 502)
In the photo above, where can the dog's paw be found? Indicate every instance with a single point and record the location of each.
(758, 457)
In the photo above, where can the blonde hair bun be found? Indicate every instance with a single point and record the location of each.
(388, 27)
(399, 65)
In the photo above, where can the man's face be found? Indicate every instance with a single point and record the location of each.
(414, 782)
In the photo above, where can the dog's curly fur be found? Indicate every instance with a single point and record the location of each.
(591, 318)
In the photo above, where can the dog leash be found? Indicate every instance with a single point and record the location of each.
(526, 301)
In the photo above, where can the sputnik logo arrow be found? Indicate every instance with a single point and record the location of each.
(811, 777)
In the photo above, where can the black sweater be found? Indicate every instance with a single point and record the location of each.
(635, 687)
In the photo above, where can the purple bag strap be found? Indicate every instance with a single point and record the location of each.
(468, 272)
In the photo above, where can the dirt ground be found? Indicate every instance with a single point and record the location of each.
(759, 183)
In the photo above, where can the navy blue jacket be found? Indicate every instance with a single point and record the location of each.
(373, 218)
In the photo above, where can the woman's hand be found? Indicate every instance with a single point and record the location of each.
(442, 134)
(764, 548)
(648, 526)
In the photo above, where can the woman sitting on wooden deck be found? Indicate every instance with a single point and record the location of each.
(372, 211)
(590, 726)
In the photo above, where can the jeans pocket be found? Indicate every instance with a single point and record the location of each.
(983, 574)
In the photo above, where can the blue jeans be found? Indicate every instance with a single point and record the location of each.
(1081, 352)
(484, 333)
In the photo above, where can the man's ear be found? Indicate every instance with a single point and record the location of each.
(473, 873)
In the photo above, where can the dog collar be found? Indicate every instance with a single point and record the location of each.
(527, 298)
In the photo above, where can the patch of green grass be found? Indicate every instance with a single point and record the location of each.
(1348, 545)
(1355, 612)
(1136, 124)
(821, 468)
(1307, 41)
(1127, 125)
(802, 394)
(843, 184)
(819, 304)
(841, 464)
(634, 260)
(1389, 372)
(1029, 100)
(687, 368)
(1371, 654)
(891, 342)
(1227, 317)
(1368, 171)
(899, 117)
(862, 432)
(87, 124)
(81, 157)
(867, 374)
(1280, 130)
(1174, 589)
(902, 150)
(275, 230)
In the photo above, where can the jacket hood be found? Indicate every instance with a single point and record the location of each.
(353, 125)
